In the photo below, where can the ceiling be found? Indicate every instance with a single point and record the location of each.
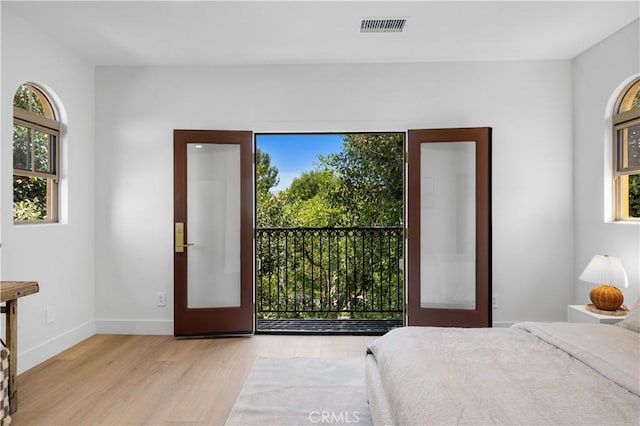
(308, 32)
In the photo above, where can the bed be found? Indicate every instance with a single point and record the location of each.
(531, 373)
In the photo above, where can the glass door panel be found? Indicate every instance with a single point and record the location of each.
(213, 220)
(447, 232)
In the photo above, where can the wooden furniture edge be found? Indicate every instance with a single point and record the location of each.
(10, 290)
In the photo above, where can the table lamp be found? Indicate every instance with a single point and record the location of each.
(609, 273)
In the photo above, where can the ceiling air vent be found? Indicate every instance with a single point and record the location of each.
(382, 25)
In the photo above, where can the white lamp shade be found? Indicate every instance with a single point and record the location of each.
(605, 270)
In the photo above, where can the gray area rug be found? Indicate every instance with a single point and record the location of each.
(303, 391)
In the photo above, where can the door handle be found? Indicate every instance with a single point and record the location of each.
(179, 238)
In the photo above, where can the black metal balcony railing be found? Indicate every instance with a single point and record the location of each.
(329, 273)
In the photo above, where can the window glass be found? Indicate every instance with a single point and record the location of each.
(634, 195)
(631, 98)
(35, 161)
(629, 147)
(626, 154)
(30, 199)
(30, 98)
(21, 148)
(43, 149)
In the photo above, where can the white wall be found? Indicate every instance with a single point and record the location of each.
(59, 256)
(598, 75)
(528, 104)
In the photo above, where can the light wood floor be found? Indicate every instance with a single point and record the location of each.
(156, 380)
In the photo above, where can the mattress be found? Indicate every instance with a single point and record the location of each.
(532, 373)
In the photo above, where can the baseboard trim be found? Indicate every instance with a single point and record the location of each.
(134, 326)
(49, 348)
(503, 324)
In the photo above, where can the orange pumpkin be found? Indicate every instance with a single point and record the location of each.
(606, 297)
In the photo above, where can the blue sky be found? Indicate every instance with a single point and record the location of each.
(293, 154)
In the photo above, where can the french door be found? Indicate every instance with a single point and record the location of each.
(449, 227)
(213, 223)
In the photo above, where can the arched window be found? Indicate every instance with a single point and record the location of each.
(626, 154)
(36, 135)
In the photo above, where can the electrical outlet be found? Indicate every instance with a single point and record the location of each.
(494, 301)
(51, 314)
(161, 298)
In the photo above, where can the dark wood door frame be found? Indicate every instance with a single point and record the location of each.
(481, 315)
(214, 321)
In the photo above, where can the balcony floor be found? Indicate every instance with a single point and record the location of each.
(369, 327)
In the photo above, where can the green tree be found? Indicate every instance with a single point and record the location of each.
(308, 200)
(25, 98)
(310, 184)
(266, 174)
(267, 204)
(369, 169)
(271, 208)
(634, 195)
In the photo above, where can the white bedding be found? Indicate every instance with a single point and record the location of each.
(532, 373)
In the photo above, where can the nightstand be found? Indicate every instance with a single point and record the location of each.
(578, 313)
